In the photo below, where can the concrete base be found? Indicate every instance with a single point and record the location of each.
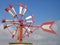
(23, 43)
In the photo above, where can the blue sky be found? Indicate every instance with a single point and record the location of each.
(43, 10)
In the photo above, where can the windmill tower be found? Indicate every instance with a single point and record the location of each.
(24, 24)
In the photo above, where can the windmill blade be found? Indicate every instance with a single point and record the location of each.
(31, 16)
(7, 10)
(24, 10)
(6, 26)
(11, 6)
(27, 32)
(24, 30)
(20, 9)
(29, 21)
(14, 33)
(7, 20)
(47, 26)
(27, 29)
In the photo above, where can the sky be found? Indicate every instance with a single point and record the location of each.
(43, 10)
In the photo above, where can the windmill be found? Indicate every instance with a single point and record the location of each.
(23, 25)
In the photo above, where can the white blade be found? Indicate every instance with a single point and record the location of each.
(11, 6)
(14, 10)
(6, 26)
(30, 21)
(24, 10)
(27, 29)
(20, 9)
(9, 20)
(9, 12)
(13, 34)
(31, 16)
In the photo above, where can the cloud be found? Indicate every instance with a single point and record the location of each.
(5, 36)
(39, 37)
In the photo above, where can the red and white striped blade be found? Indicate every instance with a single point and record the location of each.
(47, 26)
(6, 26)
(14, 33)
(31, 16)
(20, 8)
(28, 29)
(11, 6)
(24, 10)
(7, 10)
(27, 32)
(7, 20)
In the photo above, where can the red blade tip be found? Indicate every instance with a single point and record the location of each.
(7, 9)
(10, 5)
(25, 7)
(21, 4)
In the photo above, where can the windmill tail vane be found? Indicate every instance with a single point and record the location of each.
(47, 26)
(24, 25)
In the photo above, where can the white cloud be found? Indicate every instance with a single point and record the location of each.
(5, 37)
(39, 37)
